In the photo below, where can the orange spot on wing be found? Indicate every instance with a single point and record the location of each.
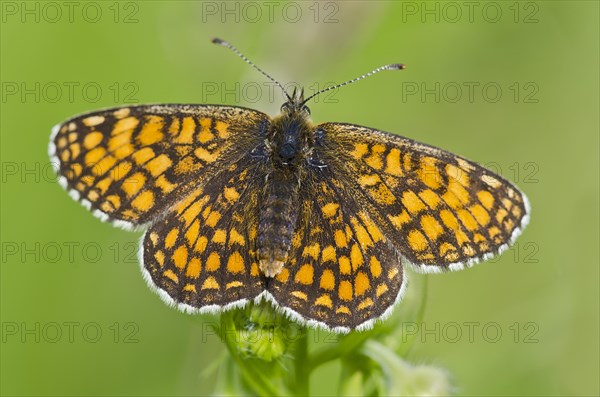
(222, 130)
(428, 173)
(180, 257)
(400, 219)
(151, 131)
(163, 184)
(170, 275)
(365, 304)
(133, 184)
(300, 295)
(160, 258)
(125, 124)
(94, 155)
(340, 239)
(393, 163)
(412, 202)
(381, 289)
(213, 262)
(328, 254)
(220, 236)
(158, 165)
(467, 219)
(93, 120)
(305, 275)
(171, 237)
(361, 284)
(449, 220)
(327, 280)
(486, 199)
(206, 156)
(236, 238)
(210, 283)
(192, 233)
(375, 266)
(324, 300)
(360, 149)
(345, 290)
(329, 210)
(186, 134)
(235, 263)
(430, 198)
(417, 241)
(431, 227)
(480, 214)
(344, 264)
(193, 269)
(231, 194)
(312, 251)
(92, 139)
(144, 201)
(201, 244)
(356, 257)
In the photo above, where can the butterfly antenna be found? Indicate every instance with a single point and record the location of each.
(394, 66)
(249, 62)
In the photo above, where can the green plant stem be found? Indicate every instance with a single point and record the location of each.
(344, 346)
(254, 378)
(407, 346)
(302, 383)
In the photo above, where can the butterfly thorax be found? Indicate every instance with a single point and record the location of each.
(289, 142)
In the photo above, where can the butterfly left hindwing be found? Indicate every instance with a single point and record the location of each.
(202, 253)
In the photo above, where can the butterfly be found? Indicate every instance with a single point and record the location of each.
(321, 220)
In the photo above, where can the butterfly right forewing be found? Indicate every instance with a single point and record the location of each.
(439, 210)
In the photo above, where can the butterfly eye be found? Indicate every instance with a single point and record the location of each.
(285, 106)
(306, 109)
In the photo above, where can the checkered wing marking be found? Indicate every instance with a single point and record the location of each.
(202, 254)
(440, 210)
(342, 271)
(128, 164)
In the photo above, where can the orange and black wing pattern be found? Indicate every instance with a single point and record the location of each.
(343, 272)
(129, 164)
(202, 254)
(440, 211)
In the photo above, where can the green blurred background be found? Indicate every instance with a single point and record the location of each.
(513, 85)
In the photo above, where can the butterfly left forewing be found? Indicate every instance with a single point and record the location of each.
(439, 210)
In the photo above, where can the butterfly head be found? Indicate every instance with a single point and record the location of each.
(296, 103)
(291, 132)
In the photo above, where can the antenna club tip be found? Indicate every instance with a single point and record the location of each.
(218, 41)
(396, 66)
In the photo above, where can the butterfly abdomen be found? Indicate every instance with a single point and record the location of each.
(279, 211)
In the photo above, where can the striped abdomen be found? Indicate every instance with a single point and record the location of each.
(279, 211)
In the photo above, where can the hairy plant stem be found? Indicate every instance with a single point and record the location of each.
(251, 375)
